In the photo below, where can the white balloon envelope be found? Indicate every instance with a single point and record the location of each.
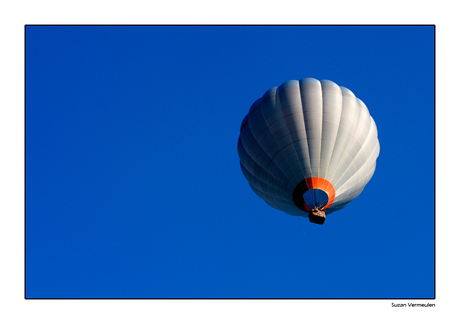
(308, 147)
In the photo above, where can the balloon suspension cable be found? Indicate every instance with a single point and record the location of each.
(317, 216)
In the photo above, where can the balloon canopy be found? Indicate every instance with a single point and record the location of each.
(308, 147)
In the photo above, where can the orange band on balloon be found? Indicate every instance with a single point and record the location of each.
(312, 183)
(323, 184)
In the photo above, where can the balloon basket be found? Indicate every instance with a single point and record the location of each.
(317, 217)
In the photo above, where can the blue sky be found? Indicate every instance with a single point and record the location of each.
(133, 184)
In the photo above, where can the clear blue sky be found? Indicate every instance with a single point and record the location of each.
(133, 184)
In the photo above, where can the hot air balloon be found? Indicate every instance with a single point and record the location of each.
(308, 147)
